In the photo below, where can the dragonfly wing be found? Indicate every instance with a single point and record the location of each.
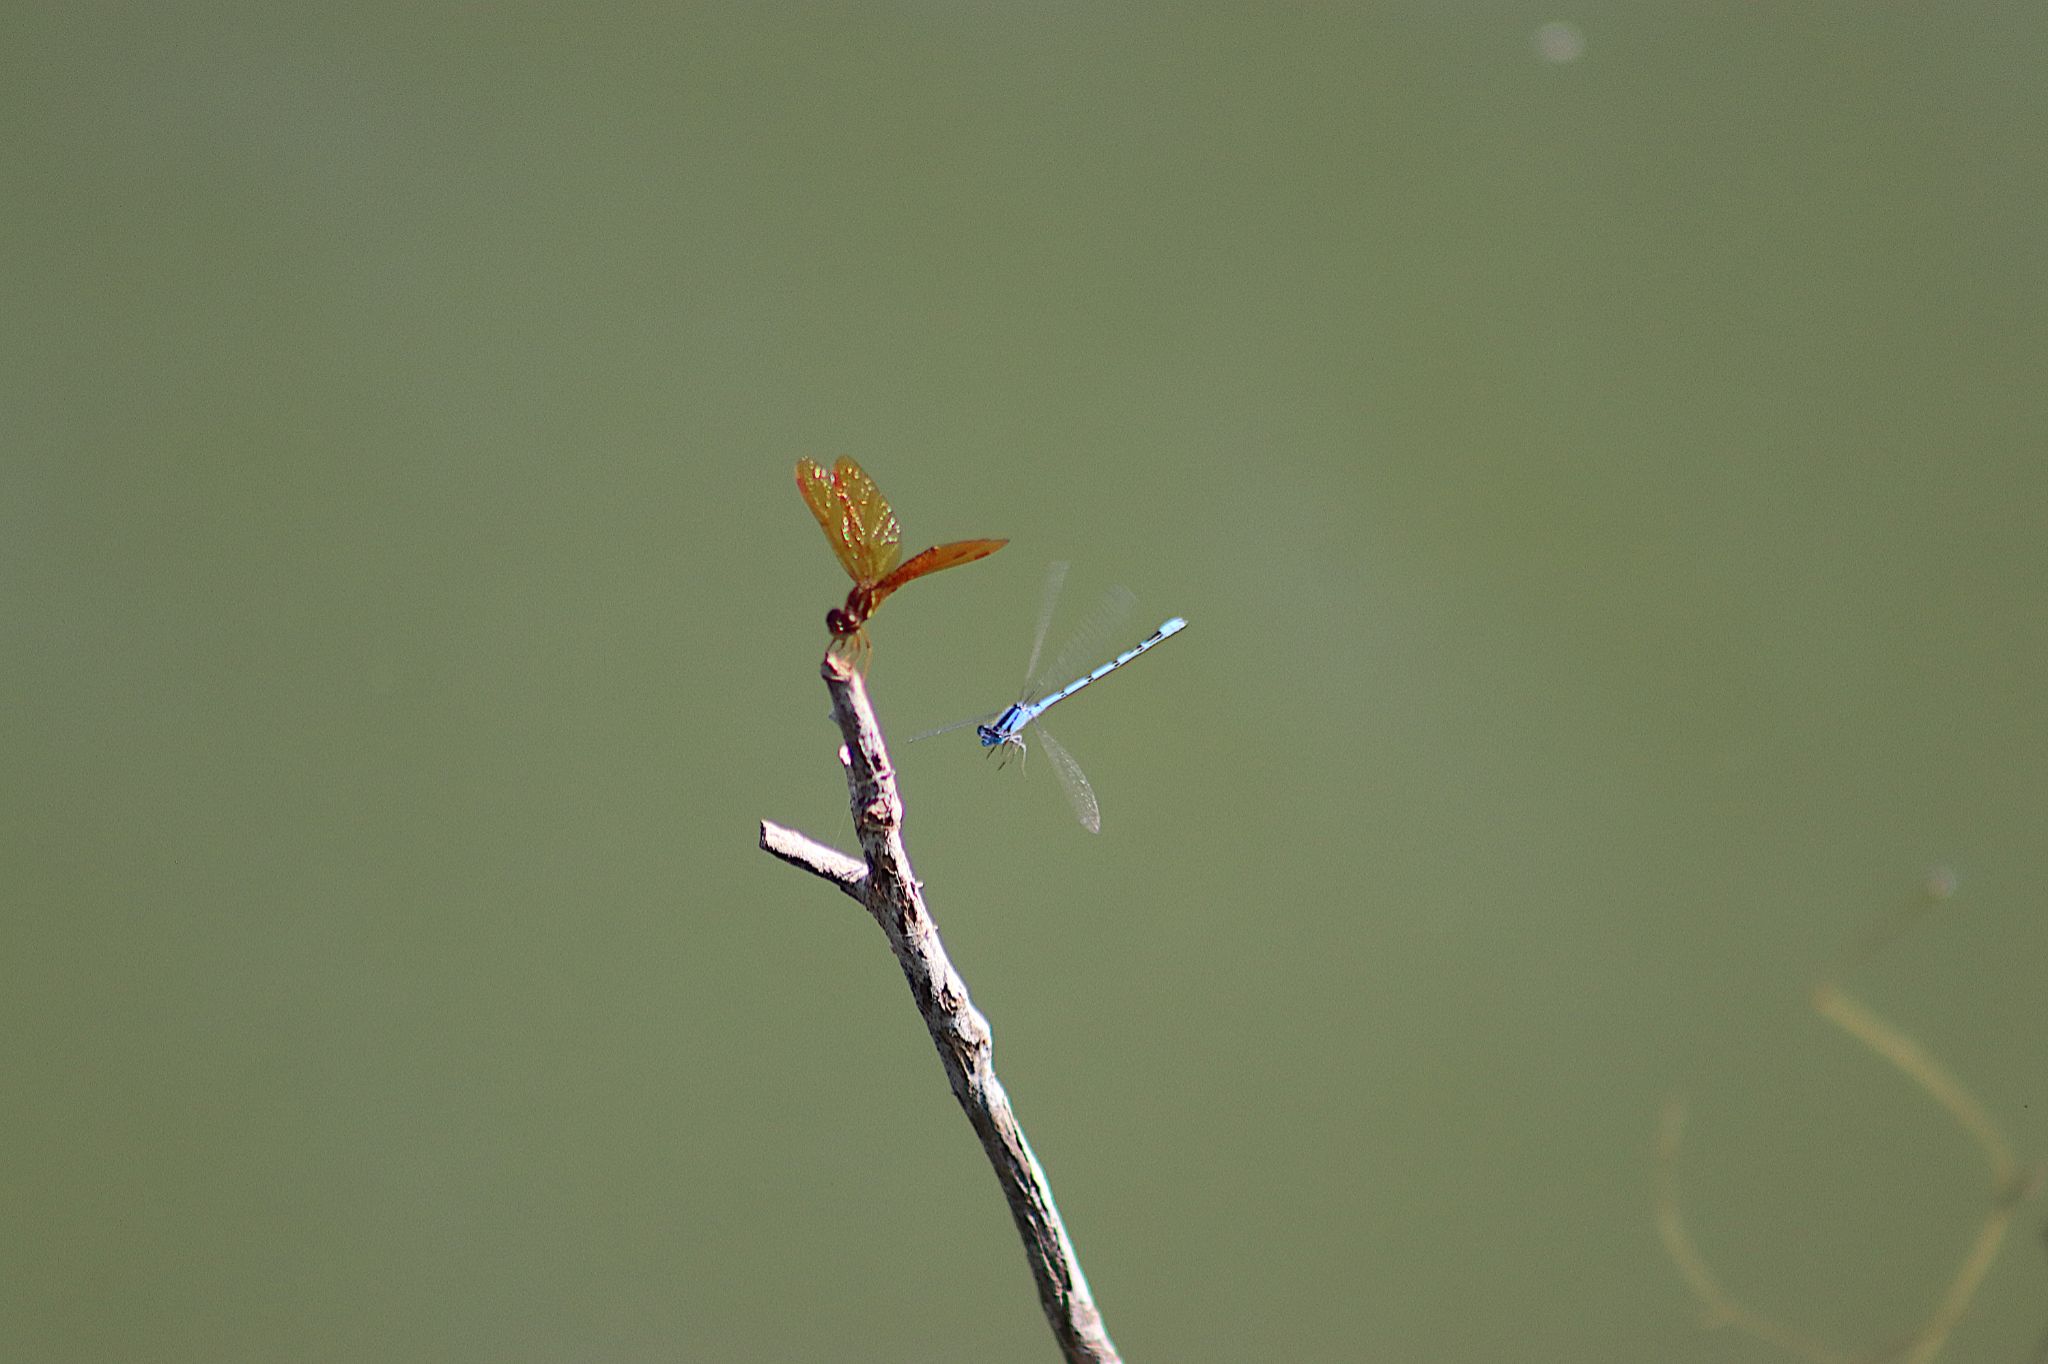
(1080, 794)
(823, 500)
(873, 525)
(1093, 640)
(856, 518)
(1055, 579)
(931, 561)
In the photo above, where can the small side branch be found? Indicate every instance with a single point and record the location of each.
(850, 874)
(893, 896)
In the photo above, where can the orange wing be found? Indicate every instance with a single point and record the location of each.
(856, 518)
(931, 561)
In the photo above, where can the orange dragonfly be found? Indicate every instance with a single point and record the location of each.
(869, 542)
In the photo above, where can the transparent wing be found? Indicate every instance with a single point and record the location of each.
(1055, 579)
(1098, 638)
(1080, 794)
(863, 531)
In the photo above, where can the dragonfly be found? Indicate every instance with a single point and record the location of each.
(1003, 732)
(865, 535)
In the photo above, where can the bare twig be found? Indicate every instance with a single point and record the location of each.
(895, 899)
(1833, 1003)
(1721, 1307)
(2011, 1182)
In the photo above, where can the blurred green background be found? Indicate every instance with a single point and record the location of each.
(1603, 466)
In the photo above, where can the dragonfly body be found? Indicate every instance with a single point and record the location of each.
(1008, 727)
(864, 533)
(1003, 733)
